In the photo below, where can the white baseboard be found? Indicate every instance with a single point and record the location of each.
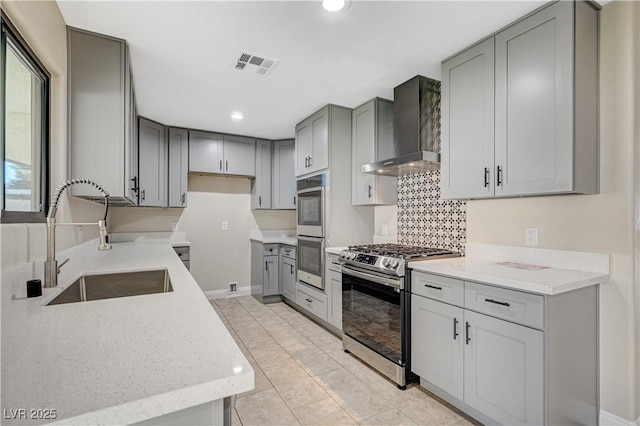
(608, 419)
(221, 294)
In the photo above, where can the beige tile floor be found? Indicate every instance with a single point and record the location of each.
(302, 375)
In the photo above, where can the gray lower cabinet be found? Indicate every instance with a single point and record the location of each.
(520, 109)
(333, 288)
(152, 143)
(271, 275)
(506, 356)
(288, 272)
(221, 154)
(101, 130)
(178, 166)
(311, 300)
(283, 194)
(261, 185)
(184, 253)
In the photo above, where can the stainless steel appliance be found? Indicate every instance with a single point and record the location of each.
(376, 305)
(310, 230)
(311, 205)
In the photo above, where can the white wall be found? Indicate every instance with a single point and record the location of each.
(42, 26)
(599, 223)
(217, 257)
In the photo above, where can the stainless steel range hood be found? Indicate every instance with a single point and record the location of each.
(416, 129)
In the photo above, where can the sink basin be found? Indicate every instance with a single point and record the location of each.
(109, 286)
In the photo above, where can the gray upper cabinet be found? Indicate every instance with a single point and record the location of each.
(101, 114)
(284, 177)
(153, 163)
(178, 166)
(221, 154)
(261, 185)
(312, 142)
(372, 140)
(239, 155)
(545, 137)
(205, 152)
(467, 167)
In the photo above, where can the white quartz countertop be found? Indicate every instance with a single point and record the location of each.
(335, 250)
(548, 281)
(117, 361)
(274, 237)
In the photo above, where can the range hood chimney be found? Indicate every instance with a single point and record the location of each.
(416, 129)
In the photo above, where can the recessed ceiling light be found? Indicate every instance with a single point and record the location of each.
(334, 5)
(237, 115)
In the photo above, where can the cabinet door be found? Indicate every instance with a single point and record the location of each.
(534, 108)
(363, 152)
(271, 276)
(205, 152)
(504, 370)
(131, 139)
(334, 308)
(288, 272)
(320, 148)
(178, 167)
(261, 185)
(304, 144)
(153, 164)
(239, 156)
(437, 350)
(284, 176)
(468, 123)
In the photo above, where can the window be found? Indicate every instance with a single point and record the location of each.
(24, 128)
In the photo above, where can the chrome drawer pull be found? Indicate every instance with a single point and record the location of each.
(455, 328)
(433, 286)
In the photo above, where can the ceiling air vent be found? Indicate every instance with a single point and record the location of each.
(255, 63)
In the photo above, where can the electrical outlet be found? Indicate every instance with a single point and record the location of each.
(233, 287)
(225, 225)
(531, 236)
(174, 226)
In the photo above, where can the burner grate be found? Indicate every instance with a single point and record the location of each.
(399, 250)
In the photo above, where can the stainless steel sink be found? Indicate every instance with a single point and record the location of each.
(108, 286)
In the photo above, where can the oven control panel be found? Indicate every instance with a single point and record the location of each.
(374, 262)
(366, 258)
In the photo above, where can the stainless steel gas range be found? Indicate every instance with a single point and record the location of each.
(376, 304)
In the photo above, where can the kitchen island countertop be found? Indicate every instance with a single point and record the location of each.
(121, 360)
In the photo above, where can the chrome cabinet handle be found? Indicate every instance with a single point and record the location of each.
(143, 194)
(433, 286)
(499, 176)
(226, 166)
(259, 200)
(183, 196)
(309, 300)
(467, 327)
(310, 162)
(220, 165)
(486, 177)
(370, 188)
(135, 184)
(266, 266)
(294, 200)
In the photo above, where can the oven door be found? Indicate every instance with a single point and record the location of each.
(311, 212)
(310, 261)
(373, 312)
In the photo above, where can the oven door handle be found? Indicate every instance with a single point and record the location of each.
(390, 282)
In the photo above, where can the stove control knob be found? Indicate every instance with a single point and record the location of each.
(394, 263)
(385, 263)
(352, 256)
(342, 255)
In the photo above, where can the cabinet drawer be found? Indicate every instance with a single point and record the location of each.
(439, 288)
(333, 263)
(182, 252)
(288, 251)
(270, 249)
(312, 301)
(514, 306)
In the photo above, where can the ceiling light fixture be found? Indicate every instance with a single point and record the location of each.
(334, 5)
(237, 115)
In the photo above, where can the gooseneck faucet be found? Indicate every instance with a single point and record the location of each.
(51, 264)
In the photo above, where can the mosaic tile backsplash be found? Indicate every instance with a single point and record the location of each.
(424, 219)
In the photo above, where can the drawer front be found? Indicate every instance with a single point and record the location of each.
(270, 249)
(312, 302)
(288, 251)
(515, 306)
(443, 289)
(182, 252)
(333, 263)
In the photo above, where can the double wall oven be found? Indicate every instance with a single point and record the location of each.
(376, 305)
(310, 230)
